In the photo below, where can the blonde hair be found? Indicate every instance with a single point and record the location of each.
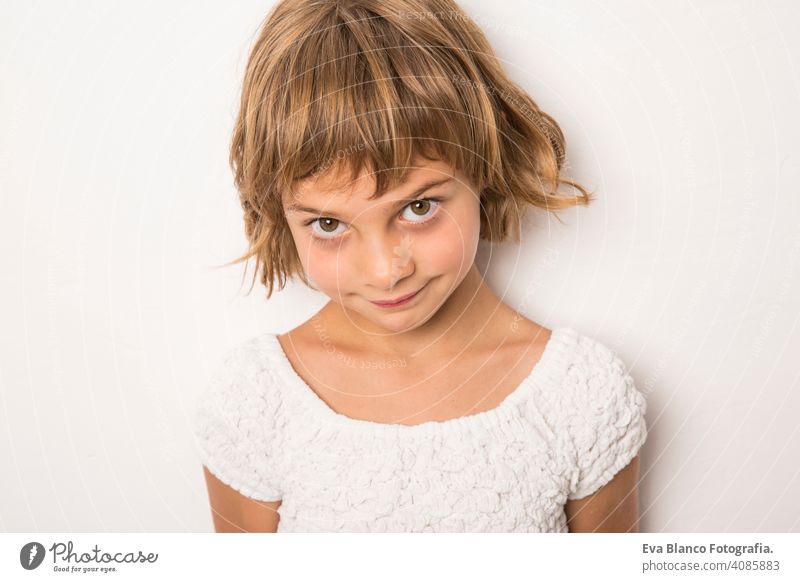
(369, 84)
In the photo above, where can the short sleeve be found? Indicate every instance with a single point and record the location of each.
(606, 418)
(235, 428)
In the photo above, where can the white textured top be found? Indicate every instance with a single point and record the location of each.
(563, 433)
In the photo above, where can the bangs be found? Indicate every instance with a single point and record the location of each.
(360, 95)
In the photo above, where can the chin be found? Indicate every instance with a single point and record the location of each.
(403, 321)
(388, 321)
(403, 327)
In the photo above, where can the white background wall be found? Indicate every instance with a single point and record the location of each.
(117, 201)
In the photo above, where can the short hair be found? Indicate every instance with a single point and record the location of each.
(370, 84)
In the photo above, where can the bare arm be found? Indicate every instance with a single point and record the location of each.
(234, 513)
(612, 508)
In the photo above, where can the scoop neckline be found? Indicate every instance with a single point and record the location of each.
(544, 369)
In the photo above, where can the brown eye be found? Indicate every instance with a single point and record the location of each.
(424, 209)
(421, 205)
(328, 222)
(325, 229)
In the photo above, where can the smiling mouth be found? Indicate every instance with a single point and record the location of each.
(401, 299)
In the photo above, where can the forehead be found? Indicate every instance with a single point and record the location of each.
(336, 186)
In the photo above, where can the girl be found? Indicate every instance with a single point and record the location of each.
(376, 143)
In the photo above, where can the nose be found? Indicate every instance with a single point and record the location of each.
(385, 261)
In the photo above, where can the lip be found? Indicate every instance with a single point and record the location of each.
(402, 300)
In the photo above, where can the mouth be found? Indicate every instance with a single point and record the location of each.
(402, 300)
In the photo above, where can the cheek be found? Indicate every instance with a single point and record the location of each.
(323, 264)
(454, 244)
(328, 278)
(313, 261)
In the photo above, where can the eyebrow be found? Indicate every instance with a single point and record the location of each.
(294, 207)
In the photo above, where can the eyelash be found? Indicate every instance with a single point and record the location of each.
(330, 240)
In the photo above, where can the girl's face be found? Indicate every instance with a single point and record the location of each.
(419, 238)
